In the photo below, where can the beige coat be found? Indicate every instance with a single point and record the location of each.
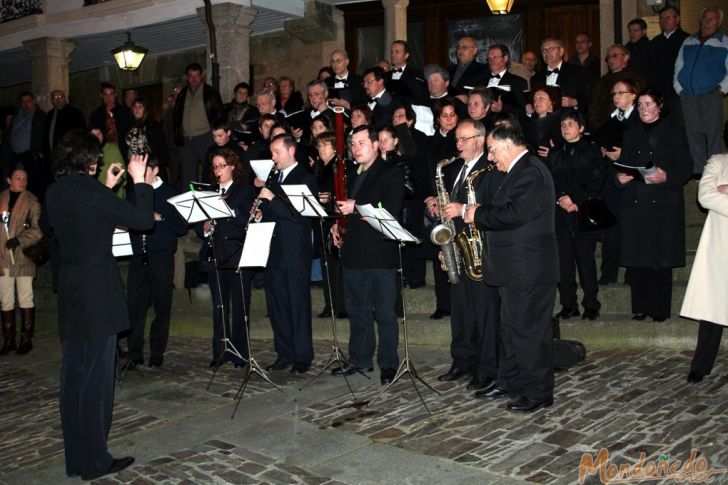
(24, 226)
(706, 297)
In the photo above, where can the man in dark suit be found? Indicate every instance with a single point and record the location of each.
(475, 306)
(91, 307)
(26, 143)
(438, 87)
(569, 78)
(403, 80)
(380, 101)
(345, 88)
(467, 73)
(60, 120)
(639, 45)
(522, 262)
(151, 270)
(510, 85)
(288, 272)
(369, 261)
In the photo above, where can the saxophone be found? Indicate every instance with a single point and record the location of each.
(469, 240)
(443, 234)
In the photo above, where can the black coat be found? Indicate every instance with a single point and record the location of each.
(121, 114)
(639, 55)
(291, 246)
(67, 119)
(515, 97)
(476, 74)
(364, 248)
(652, 217)
(663, 54)
(162, 238)
(439, 148)
(384, 109)
(293, 103)
(229, 233)
(542, 131)
(353, 90)
(83, 214)
(519, 225)
(411, 86)
(579, 171)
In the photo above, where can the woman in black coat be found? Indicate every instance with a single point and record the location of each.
(146, 136)
(609, 137)
(542, 125)
(220, 255)
(578, 170)
(652, 212)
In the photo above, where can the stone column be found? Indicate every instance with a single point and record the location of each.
(232, 29)
(49, 67)
(395, 22)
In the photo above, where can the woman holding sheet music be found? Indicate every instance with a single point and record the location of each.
(220, 256)
(652, 211)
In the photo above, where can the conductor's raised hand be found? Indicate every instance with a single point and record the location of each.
(113, 174)
(137, 168)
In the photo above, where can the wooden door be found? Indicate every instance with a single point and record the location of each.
(566, 22)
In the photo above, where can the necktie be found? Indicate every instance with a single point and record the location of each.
(459, 181)
(280, 178)
(222, 191)
(620, 115)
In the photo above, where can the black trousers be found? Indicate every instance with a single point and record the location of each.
(228, 317)
(651, 291)
(150, 284)
(191, 156)
(611, 236)
(86, 403)
(289, 307)
(576, 253)
(474, 327)
(336, 280)
(442, 287)
(527, 365)
(706, 350)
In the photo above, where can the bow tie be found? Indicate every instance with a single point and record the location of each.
(555, 71)
(495, 76)
(373, 100)
(398, 70)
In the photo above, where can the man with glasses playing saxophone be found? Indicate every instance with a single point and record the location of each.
(475, 306)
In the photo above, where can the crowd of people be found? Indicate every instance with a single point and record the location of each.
(510, 160)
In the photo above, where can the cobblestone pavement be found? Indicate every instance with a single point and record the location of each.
(626, 401)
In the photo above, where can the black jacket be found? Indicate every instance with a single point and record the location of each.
(663, 54)
(572, 80)
(411, 86)
(67, 119)
(162, 238)
(121, 114)
(476, 74)
(213, 109)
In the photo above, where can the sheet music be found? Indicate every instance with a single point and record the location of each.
(425, 119)
(303, 200)
(642, 171)
(261, 168)
(121, 243)
(257, 245)
(383, 222)
(197, 206)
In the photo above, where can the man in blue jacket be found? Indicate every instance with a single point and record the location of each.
(701, 80)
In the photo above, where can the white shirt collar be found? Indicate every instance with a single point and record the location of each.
(286, 171)
(226, 186)
(517, 159)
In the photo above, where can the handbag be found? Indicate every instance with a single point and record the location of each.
(594, 215)
(39, 252)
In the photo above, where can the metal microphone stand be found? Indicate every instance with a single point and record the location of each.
(406, 367)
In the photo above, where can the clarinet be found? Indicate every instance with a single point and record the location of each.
(258, 200)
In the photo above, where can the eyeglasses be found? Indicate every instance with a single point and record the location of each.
(220, 165)
(463, 139)
(493, 148)
(620, 93)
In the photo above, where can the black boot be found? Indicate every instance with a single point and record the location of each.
(8, 322)
(26, 332)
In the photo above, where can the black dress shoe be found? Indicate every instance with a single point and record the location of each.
(567, 313)
(299, 369)
(278, 365)
(590, 314)
(215, 363)
(155, 362)
(348, 369)
(439, 314)
(526, 405)
(386, 376)
(605, 280)
(492, 392)
(453, 374)
(639, 316)
(117, 464)
(659, 319)
(325, 313)
(479, 382)
(694, 377)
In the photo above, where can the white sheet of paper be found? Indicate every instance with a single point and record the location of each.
(257, 245)
(121, 243)
(307, 208)
(196, 206)
(425, 120)
(261, 168)
(383, 222)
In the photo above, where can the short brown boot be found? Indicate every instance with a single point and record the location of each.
(8, 323)
(26, 331)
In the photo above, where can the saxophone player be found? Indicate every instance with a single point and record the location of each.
(475, 306)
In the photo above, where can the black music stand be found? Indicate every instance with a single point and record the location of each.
(384, 223)
(201, 206)
(252, 366)
(306, 204)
